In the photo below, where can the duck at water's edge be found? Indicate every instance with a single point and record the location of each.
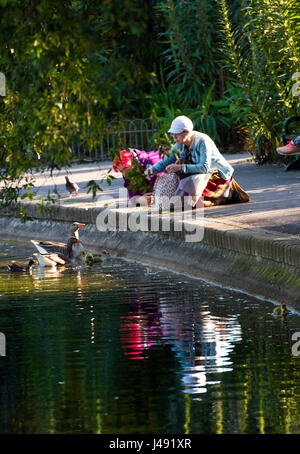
(16, 268)
(51, 253)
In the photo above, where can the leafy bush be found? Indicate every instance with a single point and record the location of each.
(262, 56)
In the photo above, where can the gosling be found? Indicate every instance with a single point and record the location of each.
(281, 310)
(89, 259)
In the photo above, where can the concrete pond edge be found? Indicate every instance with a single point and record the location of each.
(263, 263)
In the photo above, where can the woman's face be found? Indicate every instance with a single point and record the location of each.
(181, 137)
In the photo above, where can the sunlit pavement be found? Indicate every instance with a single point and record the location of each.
(274, 193)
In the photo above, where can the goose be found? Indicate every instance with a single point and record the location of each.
(14, 267)
(52, 259)
(49, 259)
(68, 252)
(58, 258)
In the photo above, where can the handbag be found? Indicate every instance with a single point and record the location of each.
(165, 188)
(238, 194)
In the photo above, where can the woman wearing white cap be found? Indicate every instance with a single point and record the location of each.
(196, 158)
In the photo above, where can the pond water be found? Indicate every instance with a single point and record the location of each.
(123, 348)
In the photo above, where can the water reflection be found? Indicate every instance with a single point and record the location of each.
(122, 348)
(78, 279)
(202, 342)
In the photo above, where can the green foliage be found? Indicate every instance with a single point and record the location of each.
(189, 55)
(92, 186)
(164, 105)
(247, 51)
(261, 57)
(137, 179)
(234, 105)
(70, 68)
(208, 116)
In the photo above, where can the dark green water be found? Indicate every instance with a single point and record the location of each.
(123, 348)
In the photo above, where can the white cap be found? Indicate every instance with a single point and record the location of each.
(181, 124)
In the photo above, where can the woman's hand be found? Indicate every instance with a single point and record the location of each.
(148, 172)
(172, 168)
(149, 198)
(143, 200)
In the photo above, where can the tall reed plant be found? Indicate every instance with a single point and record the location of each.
(261, 58)
(189, 55)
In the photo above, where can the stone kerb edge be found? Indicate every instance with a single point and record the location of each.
(253, 242)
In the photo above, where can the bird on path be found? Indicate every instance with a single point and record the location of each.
(15, 267)
(71, 187)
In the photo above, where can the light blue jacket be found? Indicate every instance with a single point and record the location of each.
(205, 157)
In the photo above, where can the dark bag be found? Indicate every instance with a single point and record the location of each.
(238, 194)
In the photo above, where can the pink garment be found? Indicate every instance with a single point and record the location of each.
(146, 158)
